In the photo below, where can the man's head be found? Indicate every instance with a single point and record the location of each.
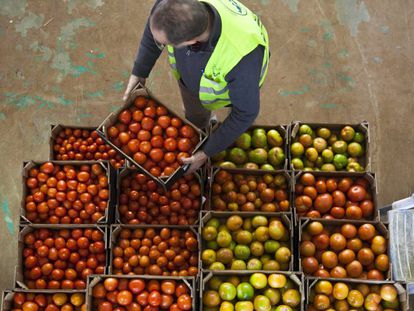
(178, 22)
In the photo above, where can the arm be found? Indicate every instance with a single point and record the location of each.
(244, 91)
(147, 55)
(245, 97)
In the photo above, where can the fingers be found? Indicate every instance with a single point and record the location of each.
(187, 160)
(133, 80)
(193, 167)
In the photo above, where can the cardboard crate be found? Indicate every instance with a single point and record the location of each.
(116, 229)
(55, 131)
(379, 226)
(336, 127)
(370, 177)
(93, 280)
(7, 297)
(110, 173)
(123, 173)
(25, 229)
(139, 90)
(296, 277)
(401, 288)
(282, 129)
(286, 218)
(214, 170)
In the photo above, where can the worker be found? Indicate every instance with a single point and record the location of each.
(218, 51)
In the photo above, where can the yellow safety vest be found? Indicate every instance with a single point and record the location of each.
(242, 31)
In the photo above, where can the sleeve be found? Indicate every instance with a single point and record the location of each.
(148, 52)
(243, 82)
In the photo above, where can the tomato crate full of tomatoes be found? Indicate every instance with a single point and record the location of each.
(50, 300)
(252, 290)
(143, 292)
(56, 257)
(329, 147)
(345, 294)
(142, 201)
(245, 190)
(81, 143)
(68, 192)
(246, 241)
(151, 136)
(344, 195)
(354, 249)
(154, 250)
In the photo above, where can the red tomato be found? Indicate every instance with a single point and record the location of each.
(181, 289)
(367, 208)
(184, 144)
(339, 198)
(353, 212)
(125, 117)
(113, 132)
(136, 286)
(356, 193)
(124, 297)
(150, 112)
(187, 131)
(176, 122)
(169, 157)
(137, 115)
(140, 158)
(30, 306)
(133, 145)
(307, 179)
(184, 302)
(323, 203)
(111, 284)
(145, 147)
(164, 121)
(170, 144)
(157, 130)
(161, 111)
(344, 184)
(104, 306)
(144, 135)
(124, 138)
(155, 171)
(171, 131)
(147, 123)
(154, 298)
(157, 141)
(156, 154)
(142, 298)
(168, 287)
(140, 102)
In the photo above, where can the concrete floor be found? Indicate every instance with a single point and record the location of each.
(339, 61)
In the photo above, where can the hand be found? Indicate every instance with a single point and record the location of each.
(196, 161)
(133, 81)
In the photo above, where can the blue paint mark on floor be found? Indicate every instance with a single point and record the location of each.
(95, 55)
(118, 86)
(328, 106)
(7, 216)
(94, 94)
(301, 91)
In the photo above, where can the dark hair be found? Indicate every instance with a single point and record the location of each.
(180, 20)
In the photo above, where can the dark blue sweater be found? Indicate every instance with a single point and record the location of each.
(243, 81)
